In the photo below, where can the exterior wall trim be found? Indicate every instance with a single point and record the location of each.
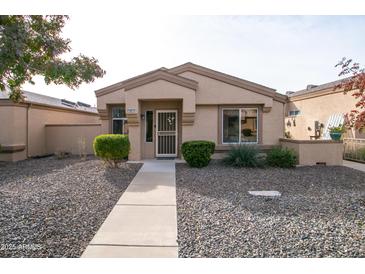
(12, 148)
(161, 75)
(319, 141)
(72, 125)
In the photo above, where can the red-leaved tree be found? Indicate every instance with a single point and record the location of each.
(355, 83)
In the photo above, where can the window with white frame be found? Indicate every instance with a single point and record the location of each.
(119, 120)
(239, 125)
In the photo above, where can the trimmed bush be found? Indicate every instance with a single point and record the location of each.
(243, 156)
(197, 153)
(112, 148)
(281, 157)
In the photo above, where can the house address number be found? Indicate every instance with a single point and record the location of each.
(131, 110)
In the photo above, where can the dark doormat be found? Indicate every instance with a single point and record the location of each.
(165, 158)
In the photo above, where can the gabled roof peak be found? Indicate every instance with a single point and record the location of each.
(172, 75)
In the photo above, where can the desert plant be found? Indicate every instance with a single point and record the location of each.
(243, 156)
(281, 157)
(339, 129)
(112, 148)
(336, 132)
(197, 153)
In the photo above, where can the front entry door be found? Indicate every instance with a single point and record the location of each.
(166, 133)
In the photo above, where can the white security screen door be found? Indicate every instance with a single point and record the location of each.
(166, 133)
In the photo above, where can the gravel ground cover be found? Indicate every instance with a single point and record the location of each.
(321, 212)
(53, 208)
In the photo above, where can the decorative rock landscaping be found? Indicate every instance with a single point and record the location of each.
(320, 213)
(53, 208)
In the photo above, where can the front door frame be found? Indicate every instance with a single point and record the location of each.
(176, 132)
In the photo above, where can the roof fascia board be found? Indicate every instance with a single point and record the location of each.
(162, 75)
(142, 77)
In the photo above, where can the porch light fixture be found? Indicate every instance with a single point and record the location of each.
(142, 116)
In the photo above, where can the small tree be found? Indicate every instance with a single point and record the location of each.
(32, 45)
(355, 83)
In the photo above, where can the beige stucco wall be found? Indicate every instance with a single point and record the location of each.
(115, 97)
(39, 117)
(212, 91)
(16, 131)
(273, 124)
(205, 125)
(161, 90)
(134, 135)
(13, 125)
(313, 152)
(13, 130)
(105, 126)
(72, 138)
(318, 108)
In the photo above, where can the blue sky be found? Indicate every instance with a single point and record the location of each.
(282, 52)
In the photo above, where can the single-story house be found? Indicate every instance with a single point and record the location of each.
(43, 125)
(312, 111)
(161, 109)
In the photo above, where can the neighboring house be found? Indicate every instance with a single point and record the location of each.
(43, 125)
(314, 106)
(161, 109)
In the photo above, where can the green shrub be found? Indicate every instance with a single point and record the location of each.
(281, 157)
(112, 148)
(243, 156)
(339, 129)
(197, 153)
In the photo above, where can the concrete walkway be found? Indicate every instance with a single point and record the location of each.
(354, 165)
(143, 223)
